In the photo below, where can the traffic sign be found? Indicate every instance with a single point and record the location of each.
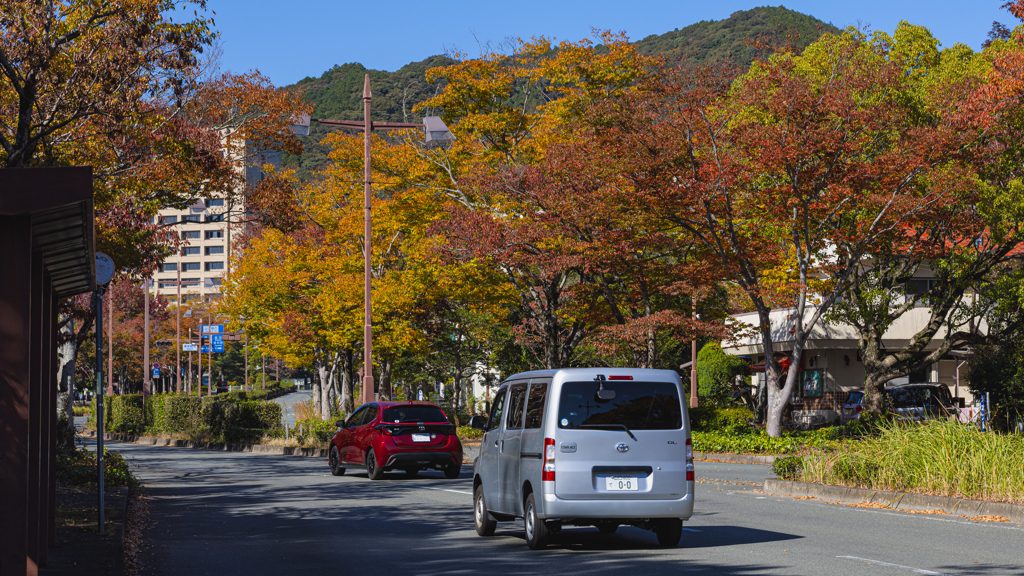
(156, 371)
(189, 347)
(104, 268)
(217, 341)
(205, 350)
(213, 329)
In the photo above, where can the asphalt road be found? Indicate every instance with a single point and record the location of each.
(233, 513)
(287, 403)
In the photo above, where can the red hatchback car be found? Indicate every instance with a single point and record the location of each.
(409, 436)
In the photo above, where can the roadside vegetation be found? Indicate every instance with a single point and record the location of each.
(941, 457)
(222, 418)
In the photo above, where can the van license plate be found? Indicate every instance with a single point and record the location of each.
(421, 437)
(620, 483)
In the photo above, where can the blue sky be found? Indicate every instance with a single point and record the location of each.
(288, 41)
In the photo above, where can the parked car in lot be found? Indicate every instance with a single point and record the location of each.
(911, 401)
(408, 436)
(585, 447)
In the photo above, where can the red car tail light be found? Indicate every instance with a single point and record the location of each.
(548, 473)
(620, 377)
(689, 458)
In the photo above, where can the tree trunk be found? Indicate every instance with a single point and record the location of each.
(347, 383)
(68, 358)
(387, 363)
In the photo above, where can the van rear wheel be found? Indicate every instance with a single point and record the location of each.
(669, 531)
(536, 530)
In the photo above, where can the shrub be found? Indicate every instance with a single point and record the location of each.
(125, 414)
(315, 431)
(467, 433)
(760, 443)
(788, 467)
(244, 421)
(716, 372)
(708, 417)
(78, 468)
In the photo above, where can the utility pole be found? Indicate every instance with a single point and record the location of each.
(146, 370)
(110, 346)
(177, 336)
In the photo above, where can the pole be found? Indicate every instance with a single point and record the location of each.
(200, 355)
(98, 300)
(367, 196)
(247, 362)
(190, 362)
(177, 336)
(110, 347)
(145, 349)
(693, 365)
(263, 369)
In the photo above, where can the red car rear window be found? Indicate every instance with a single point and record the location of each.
(413, 413)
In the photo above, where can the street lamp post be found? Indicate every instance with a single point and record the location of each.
(436, 132)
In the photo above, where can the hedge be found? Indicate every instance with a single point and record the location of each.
(223, 418)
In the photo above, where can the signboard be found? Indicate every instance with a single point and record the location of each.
(213, 329)
(189, 347)
(104, 268)
(217, 341)
(156, 370)
(205, 350)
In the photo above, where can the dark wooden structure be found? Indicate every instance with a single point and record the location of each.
(47, 252)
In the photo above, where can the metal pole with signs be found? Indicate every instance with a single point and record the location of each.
(104, 272)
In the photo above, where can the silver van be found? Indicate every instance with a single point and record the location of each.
(586, 447)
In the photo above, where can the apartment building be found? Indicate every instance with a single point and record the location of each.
(206, 228)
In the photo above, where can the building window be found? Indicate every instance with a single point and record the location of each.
(190, 235)
(190, 251)
(190, 266)
(210, 203)
(214, 217)
(214, 250)
(215, 282)
(214, 266)
(165, 267)
(190, 218)
(168, 219)
(212, 234)
(190, 282)
(187, 297)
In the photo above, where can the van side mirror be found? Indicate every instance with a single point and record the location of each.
(478, 422)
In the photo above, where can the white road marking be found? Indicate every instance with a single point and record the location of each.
(438, 489)
(691, 530)
(911, 568)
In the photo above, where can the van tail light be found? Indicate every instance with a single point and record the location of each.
(689, 458)
(548, 473)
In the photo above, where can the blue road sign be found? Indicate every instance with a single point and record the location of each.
(156, 370)
(217, 340)
(213, 329)
(189, 347)
(205, 350)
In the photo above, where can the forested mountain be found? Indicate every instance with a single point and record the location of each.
(337, 94)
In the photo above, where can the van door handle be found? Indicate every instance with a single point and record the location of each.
(502, 446)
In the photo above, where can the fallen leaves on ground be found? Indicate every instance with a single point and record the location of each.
(990, 518)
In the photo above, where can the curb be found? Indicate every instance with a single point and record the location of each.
(763, 459)
(222, 446)
(896, 500)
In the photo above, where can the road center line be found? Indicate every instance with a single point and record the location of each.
(911, 568)
(438, 489)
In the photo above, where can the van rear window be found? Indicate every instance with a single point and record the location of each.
(637, 405)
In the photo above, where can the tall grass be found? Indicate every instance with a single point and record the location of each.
(304, 410)
(941, 457)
